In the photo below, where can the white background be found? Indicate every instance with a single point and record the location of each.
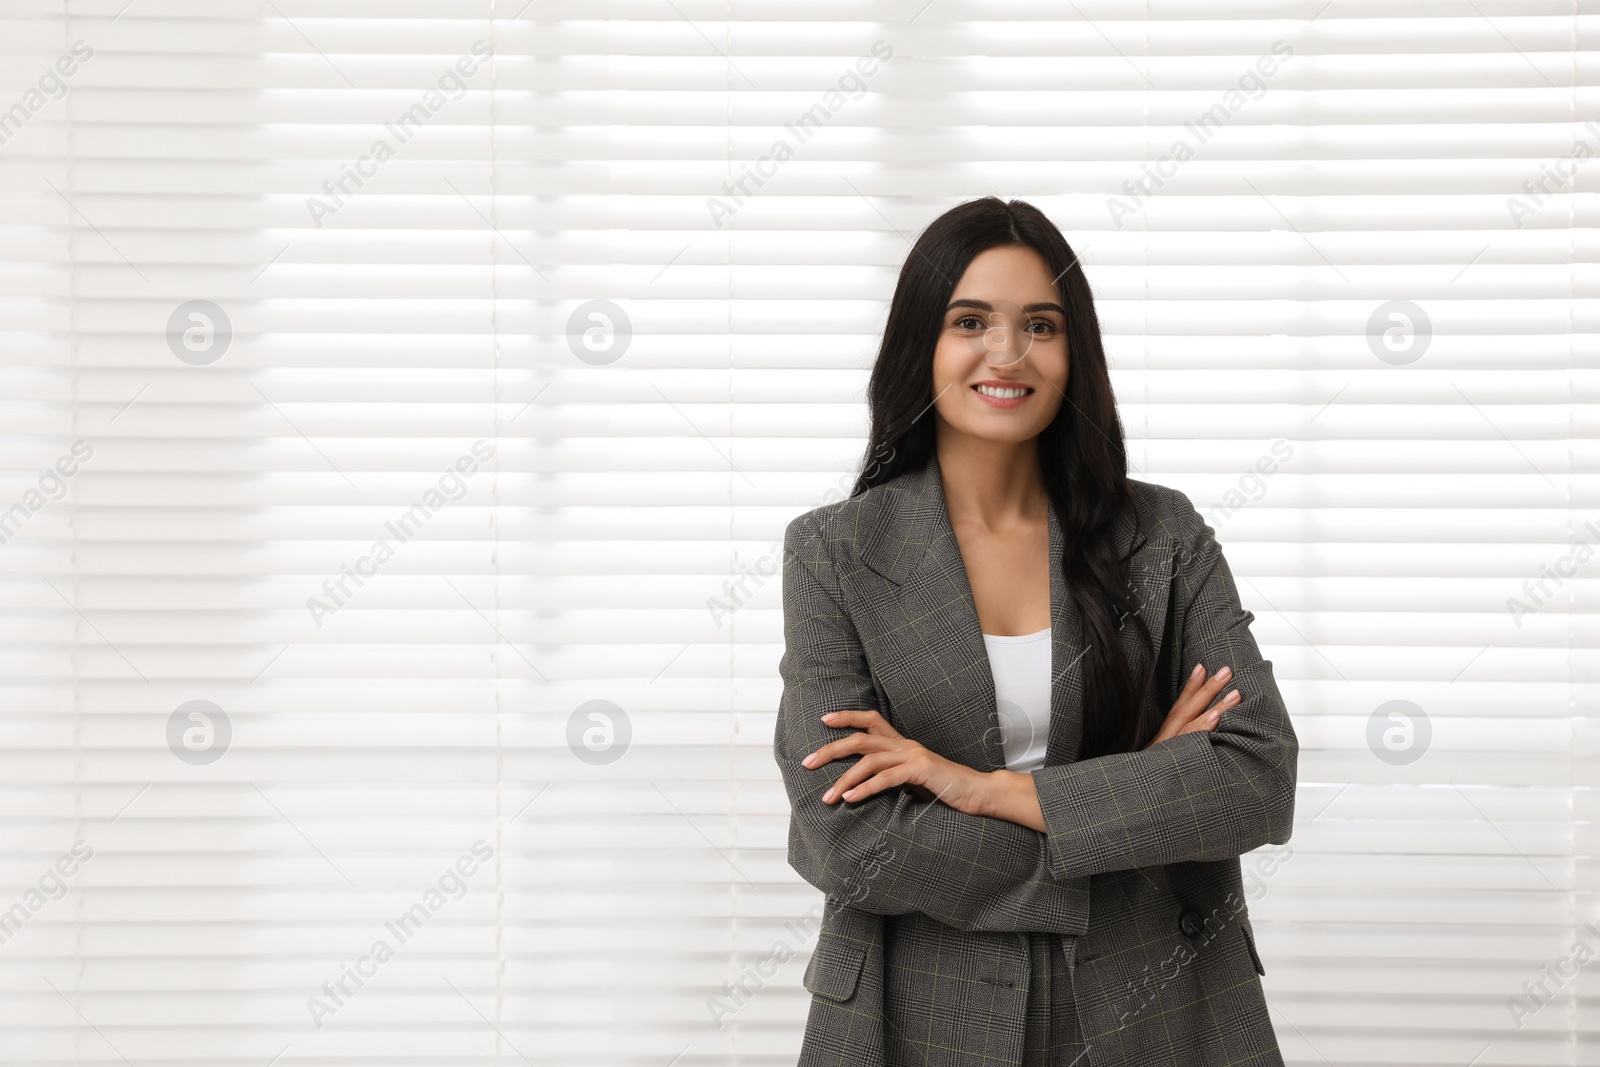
(371, 746)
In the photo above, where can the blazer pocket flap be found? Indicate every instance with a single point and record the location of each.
(1250, 943)
(835, 967)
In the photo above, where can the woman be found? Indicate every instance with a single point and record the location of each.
(1027, 824)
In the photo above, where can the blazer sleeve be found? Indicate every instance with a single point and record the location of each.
(1200, 796)
(890, 854)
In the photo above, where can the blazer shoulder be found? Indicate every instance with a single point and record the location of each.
(1166, 514)
(843, 528)
(816, 526)
(1156, 499)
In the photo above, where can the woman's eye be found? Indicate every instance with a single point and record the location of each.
(973, 322)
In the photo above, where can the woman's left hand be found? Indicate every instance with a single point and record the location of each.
(889, 759)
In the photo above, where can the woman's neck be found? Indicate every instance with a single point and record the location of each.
(993, 484)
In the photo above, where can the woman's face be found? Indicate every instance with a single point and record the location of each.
(1000, 365)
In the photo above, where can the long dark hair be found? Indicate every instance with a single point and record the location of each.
(1081, 453)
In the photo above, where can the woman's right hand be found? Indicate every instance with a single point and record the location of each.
(1189, 712)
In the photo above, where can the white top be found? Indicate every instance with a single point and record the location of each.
(1021, 667)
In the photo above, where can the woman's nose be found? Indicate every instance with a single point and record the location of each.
(1005, 343)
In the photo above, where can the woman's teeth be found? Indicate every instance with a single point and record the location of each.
(1003, 394)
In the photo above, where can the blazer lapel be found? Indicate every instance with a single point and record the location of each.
(909, 540)
(935, 598)
(1066, 661)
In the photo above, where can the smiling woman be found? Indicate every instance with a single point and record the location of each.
(1034, 892)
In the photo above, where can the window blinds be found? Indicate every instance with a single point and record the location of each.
(403, 406)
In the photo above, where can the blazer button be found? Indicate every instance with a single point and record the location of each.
(1192, 923)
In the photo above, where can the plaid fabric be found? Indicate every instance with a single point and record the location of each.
(929, 944)
(1051, 1035)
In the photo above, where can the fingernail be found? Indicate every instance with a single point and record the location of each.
(807, 761)
(1231, 698)
(1214, 716)
(828, 716)
(849, 794)
(1225, 673)
(827, 798)
(1198, 668)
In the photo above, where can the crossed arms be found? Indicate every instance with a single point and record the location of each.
(1201, 796)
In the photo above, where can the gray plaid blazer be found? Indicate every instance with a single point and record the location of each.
(921, 958)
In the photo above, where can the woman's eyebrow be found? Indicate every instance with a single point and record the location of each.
(984, 305)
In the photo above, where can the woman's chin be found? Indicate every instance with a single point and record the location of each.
(1000, 431)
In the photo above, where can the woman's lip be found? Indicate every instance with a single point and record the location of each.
(1002, 402)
